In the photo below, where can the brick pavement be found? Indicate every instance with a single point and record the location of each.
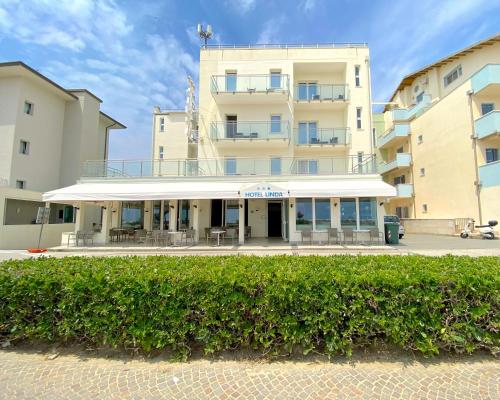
(34, 376)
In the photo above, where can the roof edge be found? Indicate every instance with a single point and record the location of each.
(115, 122)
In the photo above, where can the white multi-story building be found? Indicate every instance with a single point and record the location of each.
(46, 133)
(283, 144)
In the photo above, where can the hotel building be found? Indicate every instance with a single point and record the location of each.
(441, 143)
(281, 142)
(46, 133)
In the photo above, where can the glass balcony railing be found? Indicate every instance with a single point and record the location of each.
(488, 124)
(279, 166)
(322, 136)
(489, 174)
(321, 92)
(233, 83)
(405, 114)
(397, 130)
(488, 75)
(402, 160)
(250, 130)
(405, 190)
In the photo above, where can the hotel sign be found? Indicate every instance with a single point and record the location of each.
(264, 191)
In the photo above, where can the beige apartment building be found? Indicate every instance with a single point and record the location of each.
(441, 142)
(46, 133)
(281, 143)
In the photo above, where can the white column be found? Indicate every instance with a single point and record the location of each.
(173, 215)
(241, 234)
(357, 213)
(148, 215)
(195, 206)
(294, 238)
(335, 212)
(380, 213)
(103, 236)
(80, 217)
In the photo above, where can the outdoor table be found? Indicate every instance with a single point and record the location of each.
(218, 233)
(121, 232)
(173, 234)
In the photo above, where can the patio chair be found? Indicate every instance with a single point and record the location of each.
(333, 235)
(307, 235)
(207, 234)
(84, 237)
(231, 233)
(114, 235)
(248, 232)
(140, 236)
(375, 234)
(189, 234)
(348, 234)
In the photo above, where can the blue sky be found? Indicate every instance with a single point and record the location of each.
(136, 54)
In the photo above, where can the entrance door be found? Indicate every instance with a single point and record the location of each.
(274, 219)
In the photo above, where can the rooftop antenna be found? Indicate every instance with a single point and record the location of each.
(205, 35)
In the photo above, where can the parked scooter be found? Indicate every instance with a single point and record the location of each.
(485, 231)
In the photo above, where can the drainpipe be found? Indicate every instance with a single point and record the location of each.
(477, 183)
(367, 62)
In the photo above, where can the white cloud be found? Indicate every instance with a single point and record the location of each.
(241, 6)
(100, 50)
(272, 31)
(307, 5)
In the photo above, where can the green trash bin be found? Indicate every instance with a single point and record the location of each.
(391, 232)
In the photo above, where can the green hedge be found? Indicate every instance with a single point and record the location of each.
(275, 305)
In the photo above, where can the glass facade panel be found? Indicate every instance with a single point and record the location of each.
(367, 212)
(322, 214)
(232, 213)
(304, 214)
(275, 123)
(184, 217)
(166, 215)
(230, 166)
(348, 213)
(275, 80)
(231, 83)
(132, 214)
(157, 214)
(276, 166)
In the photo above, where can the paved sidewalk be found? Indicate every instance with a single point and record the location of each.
(37, 376)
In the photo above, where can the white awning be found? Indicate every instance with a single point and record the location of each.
(191, 190)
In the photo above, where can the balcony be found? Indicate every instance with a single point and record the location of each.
(402, 160)
(489, 174)
(250, 89)
(322, 137)
(405, 190)
(321, 96)
(488, 125)
(397, 135)
(487, 80)
(243, 167)
(230, 133)
(406, 114)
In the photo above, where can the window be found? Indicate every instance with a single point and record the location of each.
(275, 123)
(420, 97)
(453, 75)
(422, 171)
(358, 117)
(157, 215)
(132, 214)
(420, 139)
(367, 212)
(20, 184)
(491, 155)
(276, 166)
(360, 161)
(68, 214)
(308, 133)
(400, 150)
(322, 218)
(424, 208)
(230, 81)
(308, 91)
(275, 79)
(304, 214)
(232, 213)
(162, 124)
(399, 180)
(356, 75)
(230, 166)
(183, 214)
(348, 213)
(161, 152)
(28, 108)
(307, 167)
(402, 212)
(417, 88)
(487, 107)
(24, 147)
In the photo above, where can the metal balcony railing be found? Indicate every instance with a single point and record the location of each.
(321, 92)
(250, 130)
(322, 136)
(265, 83)
(280, 166)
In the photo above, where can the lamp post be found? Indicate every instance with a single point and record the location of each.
(205, 35)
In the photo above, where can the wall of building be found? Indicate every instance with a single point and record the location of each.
(174, 137)
(10, 89)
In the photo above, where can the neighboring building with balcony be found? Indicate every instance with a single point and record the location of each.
(46, 132)
(441, 142)
(284, 144)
